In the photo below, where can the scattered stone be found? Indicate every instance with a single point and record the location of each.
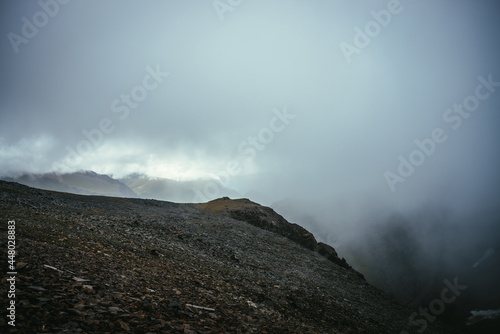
(116, 309)
(80, 279)
(201, 307)
(257, 280)
(251, 304)
(43, 300)
(21, 265)
(124, 326)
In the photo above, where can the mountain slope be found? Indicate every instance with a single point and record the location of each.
(101, 264)
(268, 219)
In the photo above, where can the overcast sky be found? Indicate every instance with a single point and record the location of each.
(293, 98)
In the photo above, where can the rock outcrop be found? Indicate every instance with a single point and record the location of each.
(262, 217)
(267, 219)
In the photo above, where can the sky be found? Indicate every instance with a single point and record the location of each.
(365, 101)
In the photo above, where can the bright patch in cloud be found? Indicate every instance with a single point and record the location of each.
(29, 155)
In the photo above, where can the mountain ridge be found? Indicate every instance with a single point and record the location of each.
(132, 185)
(268, 219)
(82, 183)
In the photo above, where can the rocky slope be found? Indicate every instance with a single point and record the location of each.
(89, 264)
(268, 219)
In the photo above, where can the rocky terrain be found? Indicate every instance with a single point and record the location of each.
(89, 264)
(267, 219)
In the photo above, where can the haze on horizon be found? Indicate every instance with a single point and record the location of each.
(184, 91)
(372, 124)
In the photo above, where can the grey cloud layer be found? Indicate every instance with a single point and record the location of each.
(227, 76)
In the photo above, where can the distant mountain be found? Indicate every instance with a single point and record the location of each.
(133, 185)
(82, 183)
(177, 191)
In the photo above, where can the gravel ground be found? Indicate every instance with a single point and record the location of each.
(89, 264)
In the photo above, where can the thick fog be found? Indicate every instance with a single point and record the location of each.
(364, 110)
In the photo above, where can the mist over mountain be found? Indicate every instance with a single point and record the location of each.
(407, 255)
(410, 254)
(84, 183)
(175, 191)
(373, 125)
(133, 185)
